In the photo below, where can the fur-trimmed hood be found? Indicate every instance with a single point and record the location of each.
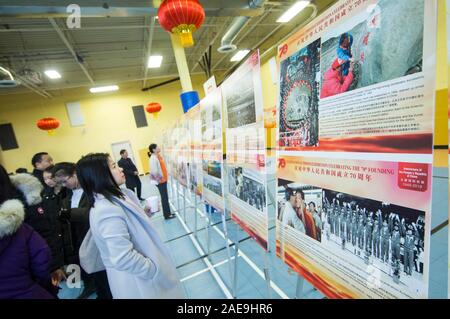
(12, 214)
(29, 186)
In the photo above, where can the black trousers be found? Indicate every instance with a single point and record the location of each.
(102, 285)
(162, 187)
(137, 182)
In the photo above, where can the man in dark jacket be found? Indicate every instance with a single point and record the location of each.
(75, 208)
(131, 173)
(40, 162)
(52, 199)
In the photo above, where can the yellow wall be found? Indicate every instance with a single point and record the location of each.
(270, 92)
(442, 75)
(108, 119)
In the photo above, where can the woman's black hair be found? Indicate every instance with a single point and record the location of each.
(64, 169)
(342, 38)
(50, 169)
(7, 189)
(151, 148)
(95, 177)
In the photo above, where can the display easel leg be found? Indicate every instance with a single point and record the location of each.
(173, 189)
(236, 255)
(299, 289)
(184, 204)
(195, 215)
(225, 231)
(208, 244)
(178, 196)
(267, 274)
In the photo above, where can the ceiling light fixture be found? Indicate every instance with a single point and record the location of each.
(154, 61)
(293, 11)
(52, 74)
(239, 55)
(101, 89)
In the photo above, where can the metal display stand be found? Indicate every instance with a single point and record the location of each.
(184, 203)
(299, 288)
(195, 215)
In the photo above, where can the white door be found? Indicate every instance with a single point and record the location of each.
(117, 147)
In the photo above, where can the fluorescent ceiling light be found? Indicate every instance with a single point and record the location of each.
(52, 74)
(104, 89)
(239, 55)
(154, 61)
(293, 11)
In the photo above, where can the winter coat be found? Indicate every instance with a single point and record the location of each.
(24, 256)
(62, 227)
(137, 261)
(334, 83)
(128, 169)
(78, 218)
(29, 192)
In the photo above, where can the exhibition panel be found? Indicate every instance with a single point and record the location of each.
(246, 149)
(212, 162)
(355, 145)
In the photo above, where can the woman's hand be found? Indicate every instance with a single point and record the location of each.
(57, 276)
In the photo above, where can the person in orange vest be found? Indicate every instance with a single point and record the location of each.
(158, 176)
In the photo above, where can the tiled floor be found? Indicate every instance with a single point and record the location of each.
(211, 277)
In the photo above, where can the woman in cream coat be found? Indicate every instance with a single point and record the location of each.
(137, 262)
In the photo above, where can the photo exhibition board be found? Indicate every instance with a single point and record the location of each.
(174, 138)
(212, 149)
(355, 147)
(183, 157)
(246, 194)
(165, 148)
(195, 149)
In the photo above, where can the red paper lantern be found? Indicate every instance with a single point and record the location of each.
(48, 124)
(153, 108)
(182, 17)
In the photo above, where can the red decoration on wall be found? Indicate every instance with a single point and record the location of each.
(182, 17)
(153, 108)
(48, 124)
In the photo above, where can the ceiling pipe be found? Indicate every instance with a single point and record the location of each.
(236, 26)
(149, 49)
(311, 17)
(69, 46)
(23, 81)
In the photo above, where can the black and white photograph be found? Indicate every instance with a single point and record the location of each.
(247, 189)
(213, 184)
(384, 235)
(240, 101)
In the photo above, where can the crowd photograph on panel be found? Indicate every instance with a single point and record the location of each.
(376, 232)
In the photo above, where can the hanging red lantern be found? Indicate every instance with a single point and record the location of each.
(48, 124)
(181, 17)
(153, 108)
